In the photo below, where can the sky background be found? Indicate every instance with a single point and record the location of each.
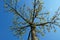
(6, 21)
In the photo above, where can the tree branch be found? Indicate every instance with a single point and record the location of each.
(16, 12)
(34, 11)
(29, 35)
(43, 23)
(15, 28)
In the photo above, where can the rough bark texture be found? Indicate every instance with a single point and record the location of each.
(33, 34)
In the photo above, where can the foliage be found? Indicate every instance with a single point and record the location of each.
(26, 17)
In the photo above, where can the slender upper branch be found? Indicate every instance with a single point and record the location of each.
(34, 11)
(16, 12)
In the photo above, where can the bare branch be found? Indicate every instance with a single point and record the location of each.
(16, 12)
(43, 23)
(29, 35)
(22, 27)
(34, 10)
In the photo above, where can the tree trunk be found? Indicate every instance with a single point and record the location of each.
(33, 34)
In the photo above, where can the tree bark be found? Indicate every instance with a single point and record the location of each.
(33, 34)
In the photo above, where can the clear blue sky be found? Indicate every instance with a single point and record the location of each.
(6, 21)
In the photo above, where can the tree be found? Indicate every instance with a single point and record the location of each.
(31, 18)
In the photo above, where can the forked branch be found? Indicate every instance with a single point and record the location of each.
(16, 12)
